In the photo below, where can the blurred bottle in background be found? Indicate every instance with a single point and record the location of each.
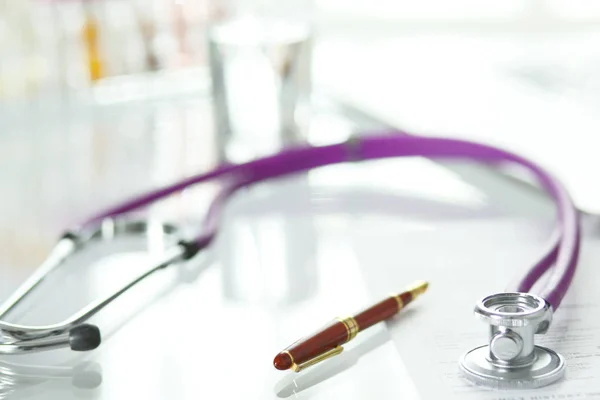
(66, 47)
(21, 69)
(260, 58)
(90, 34)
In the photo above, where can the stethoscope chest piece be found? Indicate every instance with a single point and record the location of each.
(511, 360)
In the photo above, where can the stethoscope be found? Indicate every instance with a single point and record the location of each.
(510, 359)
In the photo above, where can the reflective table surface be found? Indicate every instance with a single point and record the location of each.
(283, 263)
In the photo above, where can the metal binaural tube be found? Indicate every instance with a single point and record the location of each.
(63, 249)
(35, 345)
(24, 334)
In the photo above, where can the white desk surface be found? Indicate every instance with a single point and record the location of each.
(282, 265)
(534, 93)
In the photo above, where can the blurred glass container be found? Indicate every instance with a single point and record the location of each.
(260, 58)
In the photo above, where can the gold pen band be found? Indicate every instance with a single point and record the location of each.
(416, 289)
(351, 327)
(294, 365)
(398, 301)
(328, 354)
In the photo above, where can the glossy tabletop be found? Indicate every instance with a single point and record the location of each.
(283, 264)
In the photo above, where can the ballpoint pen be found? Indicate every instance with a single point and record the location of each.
(327, 342)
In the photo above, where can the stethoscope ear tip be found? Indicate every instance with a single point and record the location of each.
(84, 337)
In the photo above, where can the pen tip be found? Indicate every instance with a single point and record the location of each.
(418, 288)
(282, 361)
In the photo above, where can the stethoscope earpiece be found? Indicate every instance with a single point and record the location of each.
(84, 337)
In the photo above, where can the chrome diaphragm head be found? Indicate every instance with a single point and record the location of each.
(511, 360)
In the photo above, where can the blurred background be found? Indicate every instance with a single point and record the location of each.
(101, 99)
(104, 99)
(65, 46)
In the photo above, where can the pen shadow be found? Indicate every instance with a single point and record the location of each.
(293, 383)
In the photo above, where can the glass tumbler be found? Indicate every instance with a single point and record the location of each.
(260, 61)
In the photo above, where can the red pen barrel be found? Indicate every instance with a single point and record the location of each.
(383, 310)
(332, 335)
(325, 342)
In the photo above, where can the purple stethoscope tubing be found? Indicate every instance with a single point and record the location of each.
(562, 254)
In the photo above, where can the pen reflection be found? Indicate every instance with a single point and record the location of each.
(294, 383)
